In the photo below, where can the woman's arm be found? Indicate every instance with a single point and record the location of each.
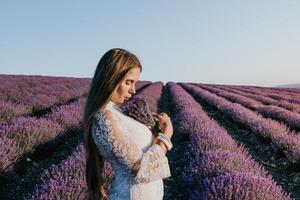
(110, 136)
(160, 143)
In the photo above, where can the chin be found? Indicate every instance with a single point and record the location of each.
(121, 103)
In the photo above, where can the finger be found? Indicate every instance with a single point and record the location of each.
(164, 114)
(158, 116)
(160, 124)
(155, 114)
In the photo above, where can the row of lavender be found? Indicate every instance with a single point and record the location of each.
(280, 137)
(23, 95)
(217, 167)
(278, 95)
(287, 91)
(67, 180)
(290, 90)
(21, 88)
(25, 135)
(290, 118)
(270, 90)
(263, 99)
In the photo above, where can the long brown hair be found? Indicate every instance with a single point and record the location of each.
(110, 72)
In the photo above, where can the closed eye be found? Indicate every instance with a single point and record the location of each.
(129, 81)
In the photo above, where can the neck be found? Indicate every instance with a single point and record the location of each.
(112, 103)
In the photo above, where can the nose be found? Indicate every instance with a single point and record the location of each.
(132, 90)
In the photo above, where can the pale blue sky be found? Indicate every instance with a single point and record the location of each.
(223, 42)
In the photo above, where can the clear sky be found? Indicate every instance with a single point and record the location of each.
(223, 42)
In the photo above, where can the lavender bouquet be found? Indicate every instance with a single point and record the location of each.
(139, 109)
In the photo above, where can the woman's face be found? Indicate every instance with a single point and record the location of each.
(127, 88)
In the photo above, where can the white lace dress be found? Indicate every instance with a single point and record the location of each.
(126, 143)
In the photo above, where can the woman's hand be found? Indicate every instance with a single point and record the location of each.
(164, 123)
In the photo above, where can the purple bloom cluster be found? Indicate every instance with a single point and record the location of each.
(245, 101)
(238, 185)
(211, 163)
(292, 119)
(9, 110)
(141, 105)
(9, 153)
(213, 153)
(288, 90)
(26, 133)
(69, 115)
(277, 95)
(153, 93)
(138, 108)
(263, 99)
(141, 84)
(67, 179)
(22, 95)
(289, 144)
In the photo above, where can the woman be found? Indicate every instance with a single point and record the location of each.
(137, 158)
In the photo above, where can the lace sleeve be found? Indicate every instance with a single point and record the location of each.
(145, 167)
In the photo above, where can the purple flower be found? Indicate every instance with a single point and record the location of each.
(138, 108)
(236, 185)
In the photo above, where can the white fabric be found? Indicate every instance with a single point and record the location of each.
(126, 143)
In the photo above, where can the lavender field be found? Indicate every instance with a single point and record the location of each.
(230, 142)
